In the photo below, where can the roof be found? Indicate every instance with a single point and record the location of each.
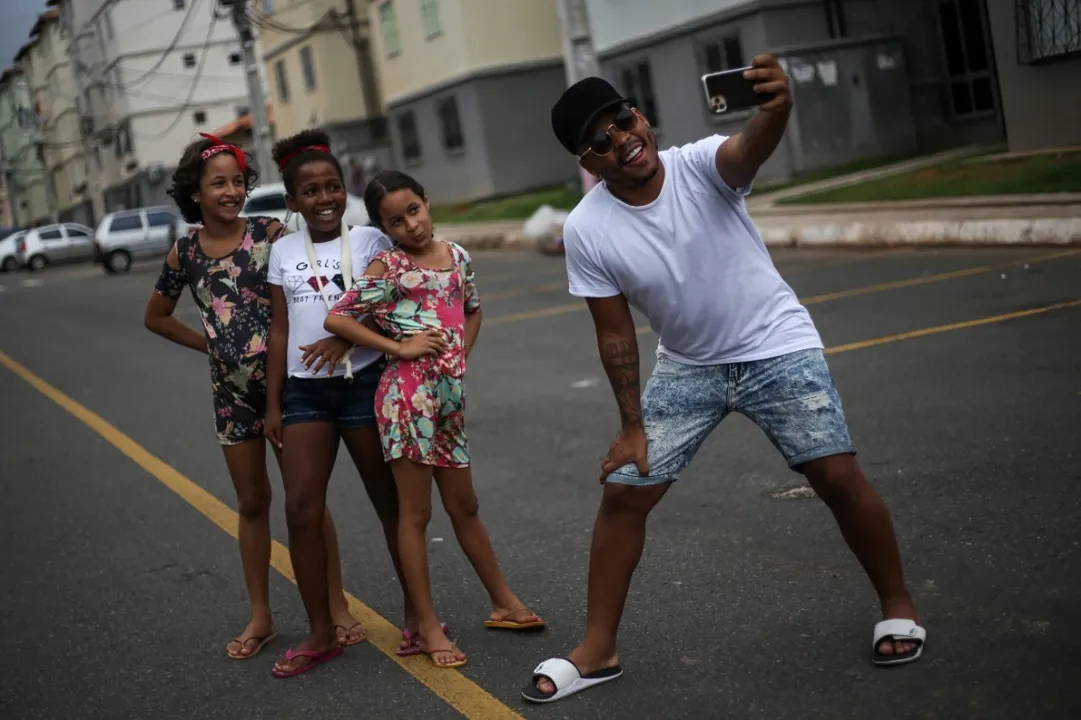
(44, 19)
(10, 72)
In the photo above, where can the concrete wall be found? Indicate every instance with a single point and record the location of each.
(1040, 101)
(508, 139)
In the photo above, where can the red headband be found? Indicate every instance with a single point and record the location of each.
(221, 146)
(284, 162)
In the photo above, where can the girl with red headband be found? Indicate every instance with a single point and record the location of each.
(224, 263)
(313, 407)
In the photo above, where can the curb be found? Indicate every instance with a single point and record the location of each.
(971, 233)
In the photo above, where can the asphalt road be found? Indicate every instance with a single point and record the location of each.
(119, 591)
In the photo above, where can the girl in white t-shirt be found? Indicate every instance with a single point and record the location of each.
(316, 398)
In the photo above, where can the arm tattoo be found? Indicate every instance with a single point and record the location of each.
(620, 359)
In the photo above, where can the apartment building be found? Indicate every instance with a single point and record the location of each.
(151, 75)
(468, 86)
(871, 77)
(1038, 56)
(319, 65)
(53, 90)
(20, 160)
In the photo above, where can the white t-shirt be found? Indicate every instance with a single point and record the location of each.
(307, 311)
(692, 262)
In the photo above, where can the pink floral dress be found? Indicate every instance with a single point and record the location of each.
(420, 403)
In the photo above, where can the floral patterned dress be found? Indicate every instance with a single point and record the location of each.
(233, 297)
(420, 403)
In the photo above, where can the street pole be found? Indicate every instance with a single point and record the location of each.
(84, 111)
(365, 71)
(579, 58)
(256, 99)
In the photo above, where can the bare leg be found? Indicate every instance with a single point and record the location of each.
(865, 524)
(309, 450)
(367, 453)
(347, 628)
(460, 502)
(619, 535)
(414, 483)
(247, 469)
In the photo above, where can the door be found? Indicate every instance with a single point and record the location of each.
(53, 245)
(79, 246)
(126, 232)
(160, 232)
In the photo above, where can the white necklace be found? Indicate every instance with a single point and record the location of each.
(347, 276)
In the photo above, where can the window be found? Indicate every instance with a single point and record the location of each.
(75, 232)
(722, 54)
(447, 109)
(388, 20)
(429, 10)
(307, 66)
(274, 202)
(407, 130)
(160, 218)
(242, 110)
(268, 7)
(121, 223)
(966, 51)
(283, 82)
(189, 60)
(235, 58)
(1047, 29)
(199, 117)
(179, 4)
(45, 235)
(636, 82)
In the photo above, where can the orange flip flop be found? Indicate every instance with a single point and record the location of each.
(261, 640)
(507, 624)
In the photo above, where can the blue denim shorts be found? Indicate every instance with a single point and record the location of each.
(791, 397)
(335, 399)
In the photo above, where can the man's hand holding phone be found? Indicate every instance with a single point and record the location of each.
(770, 79)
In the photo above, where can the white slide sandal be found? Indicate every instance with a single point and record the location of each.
(898, 630)
(567, 680)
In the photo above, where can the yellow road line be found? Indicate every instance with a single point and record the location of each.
(458, 691)
(923, 332)
(913, 282)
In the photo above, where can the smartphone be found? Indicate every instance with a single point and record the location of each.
(729, 91)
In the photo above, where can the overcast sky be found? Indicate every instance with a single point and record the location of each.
(16, 19)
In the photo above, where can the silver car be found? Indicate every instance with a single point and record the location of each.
(9, 251)
(55, 245)
(129, 235)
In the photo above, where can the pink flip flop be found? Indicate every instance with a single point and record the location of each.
(317, 658)
(414, 642)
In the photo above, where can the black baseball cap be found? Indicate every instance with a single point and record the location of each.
(578, 107)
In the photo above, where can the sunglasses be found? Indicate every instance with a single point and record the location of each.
(601, 143)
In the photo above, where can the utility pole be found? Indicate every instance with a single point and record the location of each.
(85, 113)
(579, 58)
(364, 61)
(256, 99)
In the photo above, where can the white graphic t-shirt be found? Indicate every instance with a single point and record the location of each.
(290, 269)
(692, 262)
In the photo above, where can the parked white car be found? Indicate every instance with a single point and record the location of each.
(128, 235)
(9, 251)
(55, 245)
(269, 200)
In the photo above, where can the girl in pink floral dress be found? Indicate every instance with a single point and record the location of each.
(422, 294)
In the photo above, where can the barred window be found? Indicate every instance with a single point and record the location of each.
(1047, 29)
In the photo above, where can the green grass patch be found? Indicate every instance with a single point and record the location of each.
(833, 172)
(514, 207)
(1050, 173)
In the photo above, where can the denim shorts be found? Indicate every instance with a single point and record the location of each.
(791, 397)
(335, 399)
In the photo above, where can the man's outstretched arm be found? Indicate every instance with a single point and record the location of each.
(740, 157)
